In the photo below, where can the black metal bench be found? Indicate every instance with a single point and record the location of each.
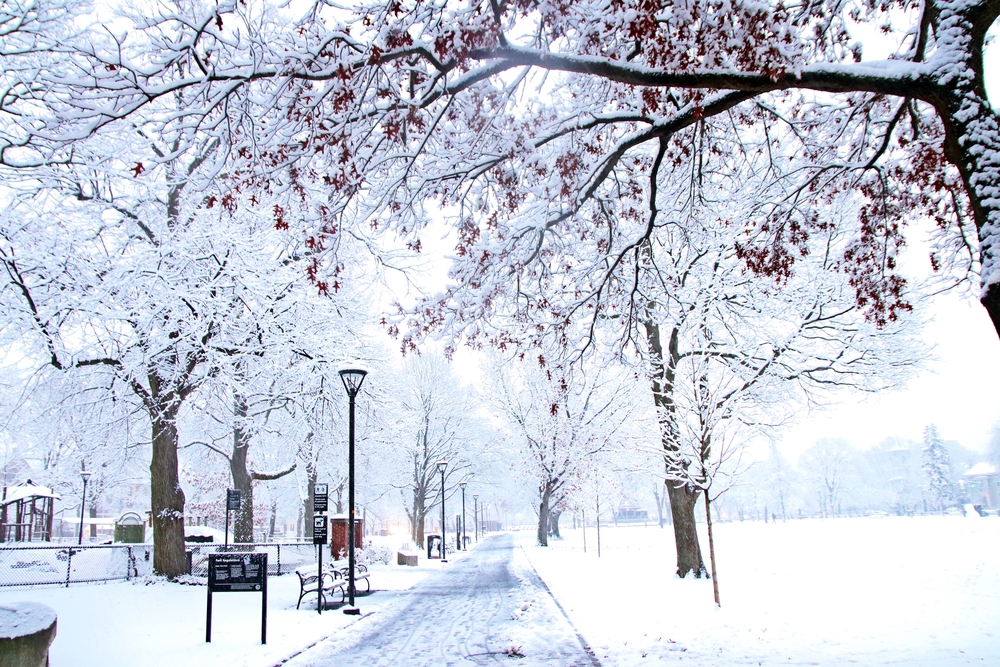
(360, 574)
(310, 581)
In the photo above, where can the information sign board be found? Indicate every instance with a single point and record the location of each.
(320, 498)
(237, 572)
(319, 530)
(233, 497)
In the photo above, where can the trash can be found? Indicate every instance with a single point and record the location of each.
(130, 529)
(434, 546)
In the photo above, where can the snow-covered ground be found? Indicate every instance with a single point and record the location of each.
(158, 624)
(915, 591)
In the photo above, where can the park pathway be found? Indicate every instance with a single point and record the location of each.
(485, 609)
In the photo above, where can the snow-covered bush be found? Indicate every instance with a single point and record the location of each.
(374, 553)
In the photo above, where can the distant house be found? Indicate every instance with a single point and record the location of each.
(629, 513)
(982, 485)
(26, 513)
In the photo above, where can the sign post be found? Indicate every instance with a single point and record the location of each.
(320, 535)
(232, 505)
(238, 573)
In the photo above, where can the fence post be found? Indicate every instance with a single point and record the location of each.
(69, 564)
(279, 561)
(130, 565)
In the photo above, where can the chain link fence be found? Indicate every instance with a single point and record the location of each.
(282, 558)
(71, 564)
(67, 564)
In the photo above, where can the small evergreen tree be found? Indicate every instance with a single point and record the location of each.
(937, 467)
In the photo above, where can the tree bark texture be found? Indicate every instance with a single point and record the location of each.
(682, 499)
(242, 481)
(543, 514)
(682, 505)
(554, 523)
(165, 495)
(307, 505)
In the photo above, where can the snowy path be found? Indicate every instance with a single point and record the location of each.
(478, 611)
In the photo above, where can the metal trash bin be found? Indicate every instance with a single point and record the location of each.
(130, 529)
(434, 546)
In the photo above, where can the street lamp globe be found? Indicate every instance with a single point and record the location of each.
(441, 466)
(85, 475)
(352, 376)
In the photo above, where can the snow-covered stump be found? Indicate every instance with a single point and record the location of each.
(26, 632)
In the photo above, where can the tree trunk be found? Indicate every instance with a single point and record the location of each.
(307, 505)
(243, 520)
(543, 515)
(659, 504)
(682, 500)
(682, 505)
(274, 519)
(554, 523)
(338, 504)
(598, 524)
(165, 495)
(93, 515)
(418, 515)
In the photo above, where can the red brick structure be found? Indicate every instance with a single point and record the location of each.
(338, 536)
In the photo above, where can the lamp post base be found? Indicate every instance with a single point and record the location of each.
(352, 611)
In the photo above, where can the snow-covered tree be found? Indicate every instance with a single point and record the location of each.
(993, 447)
(936, 465)
(438, 427)
(830, 465)
(560, 421)
(535, 112)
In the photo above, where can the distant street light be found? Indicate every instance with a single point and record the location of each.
(461, 539)
(352, 377)
(475, 524)
(441, 466)
(84, 475)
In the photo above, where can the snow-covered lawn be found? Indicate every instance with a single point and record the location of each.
(915, 591)
(158, 624)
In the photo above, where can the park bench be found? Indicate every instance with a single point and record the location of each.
(360, 574)
(310, 581)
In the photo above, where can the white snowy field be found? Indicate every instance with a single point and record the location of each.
(158, 624)
(915, 591)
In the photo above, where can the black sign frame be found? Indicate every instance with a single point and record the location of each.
(320, 530)
(250, 577)
(321, 498)
(234, 497)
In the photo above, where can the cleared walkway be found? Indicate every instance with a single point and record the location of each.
(487, 608)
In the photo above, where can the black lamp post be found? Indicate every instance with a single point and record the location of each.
(461, 540)
(441, 465)
(84, 475)
(352, 377)
(475, 519)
